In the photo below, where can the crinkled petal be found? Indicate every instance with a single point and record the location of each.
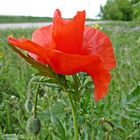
(68, 35)
(68, 64)
(43, 36)
(97, 43)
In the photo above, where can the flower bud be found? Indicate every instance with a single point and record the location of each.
(28, 105)
(33, 125)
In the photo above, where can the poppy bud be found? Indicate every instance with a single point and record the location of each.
(28, 105)
(33, 125)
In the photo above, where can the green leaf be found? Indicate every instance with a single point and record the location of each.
(43, 69)
(58, 108)
(134, 95)
(61, 129)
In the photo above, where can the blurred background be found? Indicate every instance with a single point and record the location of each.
(116, 117)
(43, 10)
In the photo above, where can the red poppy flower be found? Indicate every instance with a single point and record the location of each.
(70, 47)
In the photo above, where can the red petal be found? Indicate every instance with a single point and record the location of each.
(101, 78)
(68, 35)
(97, 43)
(35, 50)
(43, 36)
(70, 64)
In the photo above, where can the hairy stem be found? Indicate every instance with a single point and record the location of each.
(74, 115)
(35, 105)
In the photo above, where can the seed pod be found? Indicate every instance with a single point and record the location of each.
(107, 127)
(28, 105)
(33, 125)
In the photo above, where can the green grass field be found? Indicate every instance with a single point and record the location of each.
(28, 19)
(116, 117)
(22, 19)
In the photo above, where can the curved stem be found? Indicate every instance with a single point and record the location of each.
(35, 105)
(29, 87)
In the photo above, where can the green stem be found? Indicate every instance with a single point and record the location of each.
(35, 105)
(29, 88)
(74, 115)
(63, 84)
